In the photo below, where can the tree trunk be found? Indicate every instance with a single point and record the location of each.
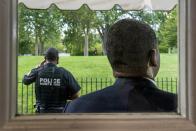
(86, 44)
(169, 50)
(42, 48)
(104, 42)
(36, 37)
(36, 46)
(39, 48)
(103, 34)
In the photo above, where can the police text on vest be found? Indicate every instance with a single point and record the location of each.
(50, 82)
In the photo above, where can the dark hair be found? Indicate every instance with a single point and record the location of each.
(128, 44)
(51, 54)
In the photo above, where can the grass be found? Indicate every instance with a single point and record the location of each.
(79, 66)
(168, 66)
(94, 66)
(86, 70)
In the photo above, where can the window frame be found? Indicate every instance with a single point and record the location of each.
(111, 121)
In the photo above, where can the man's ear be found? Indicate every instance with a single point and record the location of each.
(153, 58)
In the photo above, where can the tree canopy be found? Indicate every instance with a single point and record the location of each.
(167, 32)
(82, 31)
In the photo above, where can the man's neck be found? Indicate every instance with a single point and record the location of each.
(126, 75)
(53, 62)
(152, 80)
(123, 74)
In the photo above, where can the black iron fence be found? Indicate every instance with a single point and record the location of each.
(26, 94)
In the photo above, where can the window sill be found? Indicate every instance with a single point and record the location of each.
(122, 121)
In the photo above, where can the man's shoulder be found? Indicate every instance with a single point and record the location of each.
(166, 101)
(152, 90)
(92, 102)
(161, 93)
(118, 97)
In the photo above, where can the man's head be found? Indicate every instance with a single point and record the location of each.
(52, 55)
(132, 49)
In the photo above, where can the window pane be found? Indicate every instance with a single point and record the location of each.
(80, 37)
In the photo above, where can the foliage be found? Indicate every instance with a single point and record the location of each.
(104, 19)
(153, 18)
(96, 50)
(38, 27)
(168, 31)
(163, 48)
(79, 32)
(24, 39)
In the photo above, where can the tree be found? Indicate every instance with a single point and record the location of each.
(78, 30)
(153, 18)
(168, 32)
(164, 24)
(43, 27)
(78, 25)
(104, 19)
(25, 33)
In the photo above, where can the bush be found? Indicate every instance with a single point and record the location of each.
(163, 49)
(81, 53)
(96, 50)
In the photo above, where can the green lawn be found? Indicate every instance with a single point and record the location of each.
(93, 73)
(94, 66)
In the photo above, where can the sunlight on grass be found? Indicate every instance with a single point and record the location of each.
(94, 66)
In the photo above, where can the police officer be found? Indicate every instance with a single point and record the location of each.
(53, 85)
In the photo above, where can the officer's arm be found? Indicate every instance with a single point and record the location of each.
(30, 78)
(73, 85)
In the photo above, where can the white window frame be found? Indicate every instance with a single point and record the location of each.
(126, 121)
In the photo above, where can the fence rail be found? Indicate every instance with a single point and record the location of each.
(26, 94)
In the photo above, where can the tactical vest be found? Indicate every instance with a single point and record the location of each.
(50, 89)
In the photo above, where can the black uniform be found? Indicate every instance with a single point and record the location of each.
(53, 87)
